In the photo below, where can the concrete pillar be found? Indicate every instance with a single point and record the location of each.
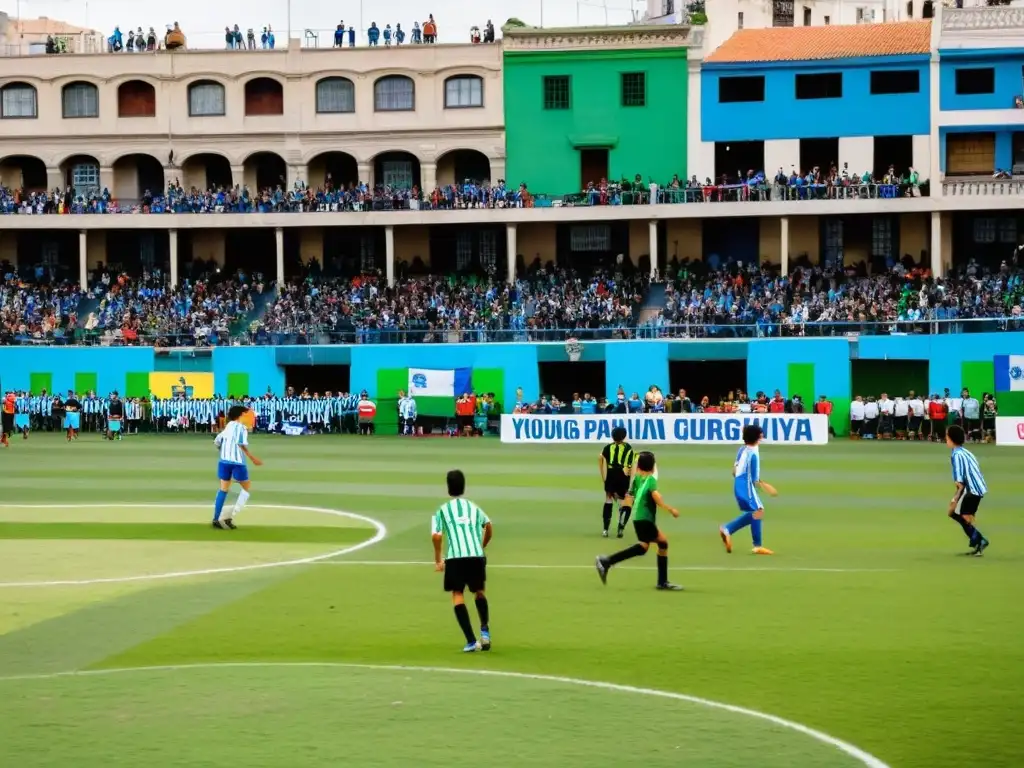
(936, 247)
(107, 179)
(784, 245)
(293, 174)
(389, 254)
(365, 171)
(83, 252)
(279, 239)
(510, 242)
(54, 179)
(238, 175)
(652, 228)
(172, 255)
(428, 177)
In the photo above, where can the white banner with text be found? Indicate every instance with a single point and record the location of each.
(667, 428)
(1010, 430)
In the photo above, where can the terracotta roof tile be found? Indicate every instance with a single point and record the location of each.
(817, 43)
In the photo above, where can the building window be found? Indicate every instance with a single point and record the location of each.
(489, 250)
(733, 90)
(782, 13)
(899, 81)
(206, 99)
(81, 100)
(394, 93)
(85, 178)
(826, 86)
(398, 174)
(807, 16)
(556, 92)
(591, 238)
(335, 95)
(463, 91)
(833, 250)
(1008, 230)
(463, 251)
(739, 20)
(971, 82)
(634, 89)
(136, 98)
(367, 254)
(828, 21)
(668, 7)
(19, 100)
(881, 237)
(984, 230)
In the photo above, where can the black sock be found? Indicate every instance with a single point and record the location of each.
(969, 530)
(636, 550)
(624, 513)
(462, 614)
(483, 611)
(606, 514)
(662, 568)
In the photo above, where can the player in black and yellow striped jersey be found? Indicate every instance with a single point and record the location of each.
(616, 467)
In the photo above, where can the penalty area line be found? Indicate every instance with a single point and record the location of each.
(864, 758)
(575, 566)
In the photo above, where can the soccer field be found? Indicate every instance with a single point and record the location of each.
(133, 634)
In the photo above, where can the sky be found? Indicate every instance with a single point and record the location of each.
(203, 22)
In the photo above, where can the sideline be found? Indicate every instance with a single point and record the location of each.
(864, 758)
(380, 532)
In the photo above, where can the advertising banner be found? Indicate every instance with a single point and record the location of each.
(665, 428)
(1009, 430)
(198, 386)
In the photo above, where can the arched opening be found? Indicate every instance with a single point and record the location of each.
(23, 172)
(18, 100)
(461, 165)
(394, 93)
(206, 99)
(137, 177)
(265, 170)
(337, 169)
(335, 95)
(263, 96)
(206, 171)
(82, 174)
(80, 99)
(136, 98)
(398, 170)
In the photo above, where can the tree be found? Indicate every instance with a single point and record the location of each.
(514, 22)
(697, 11)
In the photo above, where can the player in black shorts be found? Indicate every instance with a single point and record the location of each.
(615, 465)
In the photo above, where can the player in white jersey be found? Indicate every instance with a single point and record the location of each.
(233, 444)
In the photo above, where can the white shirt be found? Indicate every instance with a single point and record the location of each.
(870, 410)
(916, 407)
(856, 411)
(230, 442)
(955, 404)
(902, 409)
(886, 406)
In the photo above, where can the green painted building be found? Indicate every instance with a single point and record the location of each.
(582, 104)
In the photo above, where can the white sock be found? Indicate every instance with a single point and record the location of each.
(243, 496)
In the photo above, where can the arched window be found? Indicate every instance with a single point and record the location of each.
(18, 100)
(334, 95)
(394, 93)
(463, 91)
(136, 98)
(206, 98)
(81, 100)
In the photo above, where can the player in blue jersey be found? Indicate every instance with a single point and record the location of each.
(233, 444)
(970, 489)
(746, 474)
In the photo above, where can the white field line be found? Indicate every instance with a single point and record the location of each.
(381, 532)
(862, 757)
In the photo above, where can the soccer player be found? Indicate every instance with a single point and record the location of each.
(746, 474)
(467, 531)
(72, 416)
(644, 498)
(115, 416)
(615, 465)
(970, 489)
(7, 428)
(234, 450)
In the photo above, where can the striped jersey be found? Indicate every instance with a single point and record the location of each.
(619, 457)
(461, 522)
(230, 442)
(967, 471)
(746, 474)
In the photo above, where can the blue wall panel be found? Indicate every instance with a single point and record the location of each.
(1007, 63)
(636, 367)
(782, 116)
(110, 365)
(259, 362)
(768, 365)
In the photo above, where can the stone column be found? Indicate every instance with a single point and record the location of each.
(83, 255)
(389, 254)
(428, 177)
(652, 227)
(238, 176)
(784, 245)
(54, 179)
(936, 249)
(279, 239)
(172, 255)
(365, 171)
(510, 241)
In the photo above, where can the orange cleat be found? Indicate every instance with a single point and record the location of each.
(761, 551)
(726, 539)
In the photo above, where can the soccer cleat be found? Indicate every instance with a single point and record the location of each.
(218, 524)
(471, 647)
(726, 539)
(602, 569)
(619, 534)
(230, 524)
(604, 533)
(668, 586)
(485, 639)
(761, 551)
(982, 546)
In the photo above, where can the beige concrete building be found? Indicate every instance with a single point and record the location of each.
(127, 123)
(27, 37)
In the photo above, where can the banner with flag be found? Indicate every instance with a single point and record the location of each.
(1009, 371)
(435, 390)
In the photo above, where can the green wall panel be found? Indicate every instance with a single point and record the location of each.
(37, 382)
(489, 380)
(1010, 403)
(894, 377)
(136, 384)
(86, 382)
(979, 377)
(389, 382)
(238, 385)
(840, 419)
(801, 381)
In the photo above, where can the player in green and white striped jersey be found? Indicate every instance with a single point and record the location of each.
(466, 531)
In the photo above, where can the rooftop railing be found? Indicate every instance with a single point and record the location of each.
(983, 187)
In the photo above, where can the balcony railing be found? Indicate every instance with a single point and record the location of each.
(986, 187)
(725, 331)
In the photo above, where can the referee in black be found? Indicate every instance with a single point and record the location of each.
(616, 466)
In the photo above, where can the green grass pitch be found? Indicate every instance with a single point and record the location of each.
(867, 626)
